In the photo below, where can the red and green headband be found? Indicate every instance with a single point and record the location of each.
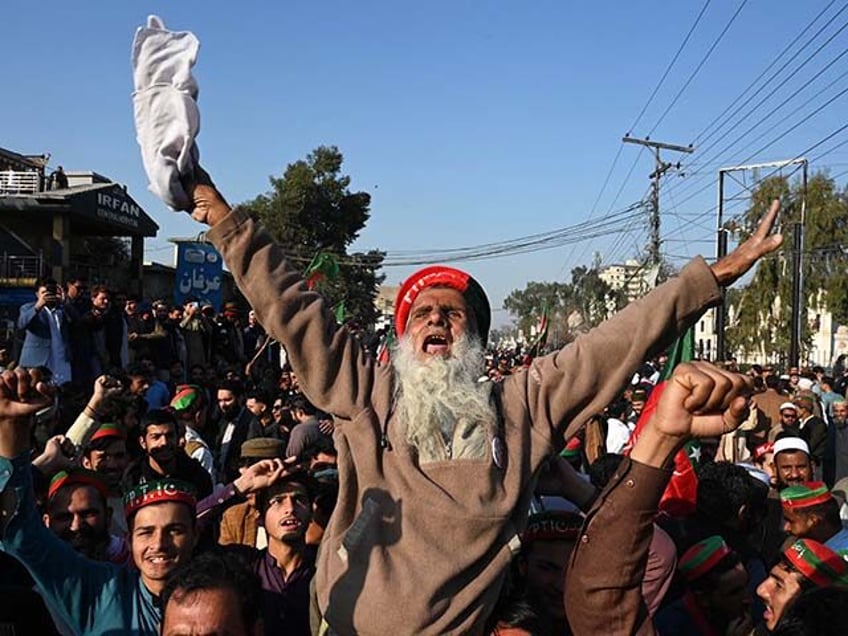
(442, 276)
(107, 431)
(77, 477)
(816, 562)
(702, 557)
(156, 492)
(811, 493)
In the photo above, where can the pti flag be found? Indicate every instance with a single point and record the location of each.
(323, 266)
(679, 497)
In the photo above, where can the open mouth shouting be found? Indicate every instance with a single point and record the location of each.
(436, 344)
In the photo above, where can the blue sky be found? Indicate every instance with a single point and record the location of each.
(468, 122)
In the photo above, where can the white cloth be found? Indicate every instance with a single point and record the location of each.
(167, 119)
(618, 434)
(202, 453)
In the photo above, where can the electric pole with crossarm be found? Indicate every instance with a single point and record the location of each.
(661, 167)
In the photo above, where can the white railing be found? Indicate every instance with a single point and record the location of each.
(21, 266)
(15, 182)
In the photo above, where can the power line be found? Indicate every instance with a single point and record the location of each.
(773, 141)
(766, 70)
(698, 68)
(779, 86)
(806, 151)
(706, 162)
(669, 67)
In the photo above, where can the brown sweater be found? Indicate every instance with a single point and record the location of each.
(423, 549)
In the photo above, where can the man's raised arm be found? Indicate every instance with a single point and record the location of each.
(568, 387)
(604, 590)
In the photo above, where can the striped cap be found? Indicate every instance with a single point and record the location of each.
(810, 493)
(572, 449)
(816, 562)
(702, 557)
(77, 477)
(160, 491)
(108, 430)
(185, 397)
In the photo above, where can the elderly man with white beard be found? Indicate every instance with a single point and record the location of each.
(436, 470)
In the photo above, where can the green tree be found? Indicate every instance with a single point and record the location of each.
(587, 300)
(526, 305)
(761, 312)
(311, 209)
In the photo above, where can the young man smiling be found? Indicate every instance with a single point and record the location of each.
(87, 596)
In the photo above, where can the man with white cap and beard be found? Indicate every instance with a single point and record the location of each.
(437, 470)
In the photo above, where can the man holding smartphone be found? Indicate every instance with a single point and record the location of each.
(46, 326)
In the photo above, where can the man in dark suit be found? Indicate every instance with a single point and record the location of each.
(46, 327)
(234, 425)
(813, 429)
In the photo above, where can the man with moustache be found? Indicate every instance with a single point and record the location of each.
(429, 458)
(77, 512)
(432, 458)
(793, 464)
(837, 451)
(163, 456)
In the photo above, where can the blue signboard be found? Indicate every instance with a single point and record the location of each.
(200, 270)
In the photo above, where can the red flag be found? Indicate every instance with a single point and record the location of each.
(679, 497)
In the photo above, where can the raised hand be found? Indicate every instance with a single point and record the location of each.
(731, 267)
(22, 395)
(261, 475)
(699, 400)
(57, 455)
(209, 205)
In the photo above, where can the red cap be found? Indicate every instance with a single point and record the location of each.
(442, 276)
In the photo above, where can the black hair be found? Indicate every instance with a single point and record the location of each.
(45, 281)
(216, 571)
(772, 381)
(618, 408)
(301, 477)
(828, 511)
(322, 444)
(603, 469)
(158, 417)
(137, 369)
(818, 612)
(723, 488)
(300, 403)
(260, 396)
(233, 386)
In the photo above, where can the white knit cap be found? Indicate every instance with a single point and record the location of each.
(791, 444)
(788, 405)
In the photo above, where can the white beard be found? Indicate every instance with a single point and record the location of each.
(441, 396)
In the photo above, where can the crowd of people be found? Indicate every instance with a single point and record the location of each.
(169, 470)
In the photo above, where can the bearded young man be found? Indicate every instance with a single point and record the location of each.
(436, 471)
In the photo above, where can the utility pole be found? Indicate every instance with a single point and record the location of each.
(797, 257)
(660, 168)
